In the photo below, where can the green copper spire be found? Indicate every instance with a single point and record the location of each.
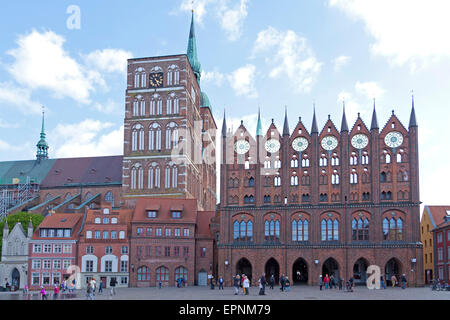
(259, 126)
(192, 51)
(42, 146)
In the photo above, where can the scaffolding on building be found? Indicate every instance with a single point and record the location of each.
(16, 194)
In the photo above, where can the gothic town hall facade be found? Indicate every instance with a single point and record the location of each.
(300, 203)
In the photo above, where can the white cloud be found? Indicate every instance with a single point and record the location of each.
(199, 8)
(42, 62)
(412, 32)
(232, 20)
(108, 60)
(242, 81)
(85, 139)
(360, 101)
(19, 98)
(110, 106)
(291, 57)
(214, 77)
(340, 62)
(370, 90)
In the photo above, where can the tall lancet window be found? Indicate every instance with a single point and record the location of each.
(154, 137)
(137, 177)
(173, 75)
(140, 80)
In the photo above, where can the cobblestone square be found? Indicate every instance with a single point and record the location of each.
(205, 293)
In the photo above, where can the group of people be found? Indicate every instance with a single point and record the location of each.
(92, 286)
(63, 287)
(241, 282)
(335, 282)
(181, 282)
(216, 282)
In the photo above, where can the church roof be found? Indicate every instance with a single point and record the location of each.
(63, 172)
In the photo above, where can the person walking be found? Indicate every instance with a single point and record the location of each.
(89, 291)
(25, 289)
(236, 283)
(339, 279)
(320, 282)
(404, 281)
(112, 284)
(65, 285)
(246, 285)
(55, 292)
(272, 281)
(332, 284)
(43, 293)
(382, 284)
(94, 285)
(393, 280)
(326, 280)
(287, 284)
(282, 283)
(262, 284)
(100, 287)
(220, 283)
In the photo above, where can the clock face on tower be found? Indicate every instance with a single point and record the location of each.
(329, 143)
(156, 80)
(272, 145)
(241, 146)
(300, 144)
(393, 139)
(360, 141)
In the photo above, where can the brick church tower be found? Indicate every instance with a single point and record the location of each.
(310, 202)
(169, 144)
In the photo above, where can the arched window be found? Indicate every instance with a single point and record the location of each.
(300, 230)
(267, 164)
(143, 274)
(353, 178)
(272, 229)
(277, 164)
(156, 105)
(353, 159)
(305, 162)
(167, 177)
(360, 229)
(137, 177)
(294, 180)
(330, 229)
(137, 138)
(335, 160)
(109, 197)
(387, 158)
(173, 75)
(335, 178)
(174, 176)
(277, 181)
(393, 229)
(154, 137)
(323, 161)
(181, 273)
(383, 177)
(365, 158)
(171, 135)
(140, 80)
(243, 231)
(399, 157)
(162, 274)
(294, 163)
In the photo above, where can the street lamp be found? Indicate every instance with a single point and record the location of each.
(316, 262)
(226, 263)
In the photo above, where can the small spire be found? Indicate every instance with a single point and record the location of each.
(344, 125)
(412, 118)
(258, 125)
(374, 124)
(286, 123)
(42, 146)
(224, 125)
(314, 128)
(192, 51)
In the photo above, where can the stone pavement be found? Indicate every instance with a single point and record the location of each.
(296, 293)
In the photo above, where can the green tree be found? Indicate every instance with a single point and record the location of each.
(23, 218)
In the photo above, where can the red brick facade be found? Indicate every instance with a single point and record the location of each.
(441, 239)
(346, 187)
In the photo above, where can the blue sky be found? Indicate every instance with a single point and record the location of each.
(266, 54)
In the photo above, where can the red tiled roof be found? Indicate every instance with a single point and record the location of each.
(437, 213)
(189, 212)
(61, 221)
(94, 170)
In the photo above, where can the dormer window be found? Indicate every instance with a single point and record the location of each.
(106, 211)
(176, 214)
(151, 214)
(97, 221)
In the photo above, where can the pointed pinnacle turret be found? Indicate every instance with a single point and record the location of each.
(192, 51)
(314, 128)
(42, 146)
(286, 131)
(344, 125)
(224, 126)
(258, 125)
(412, 118)
(374, 124)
